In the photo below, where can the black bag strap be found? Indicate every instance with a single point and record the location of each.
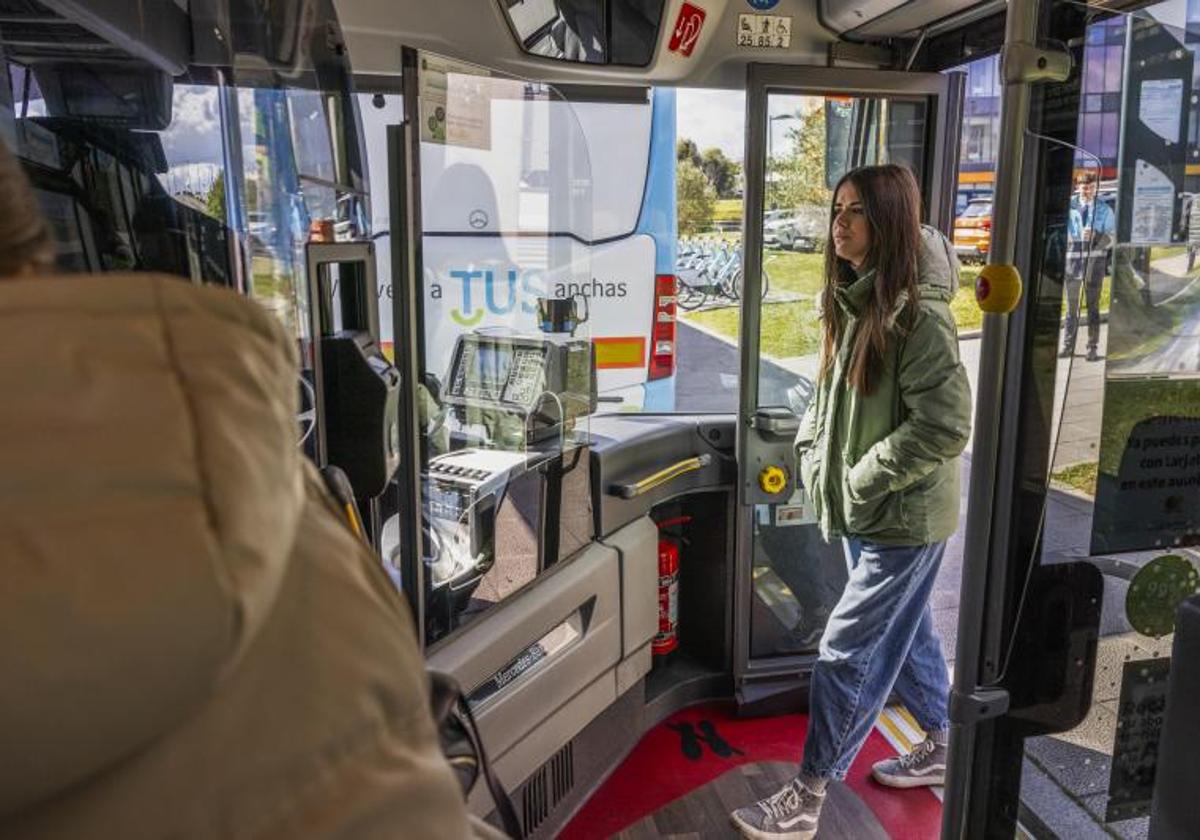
(447, 699)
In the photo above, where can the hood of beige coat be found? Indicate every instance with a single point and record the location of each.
(150, 489)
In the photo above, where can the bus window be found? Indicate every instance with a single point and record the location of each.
(298, 177)
(123, 199)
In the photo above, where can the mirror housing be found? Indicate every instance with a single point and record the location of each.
(125, 94)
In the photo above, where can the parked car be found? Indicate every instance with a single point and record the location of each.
(801, 229)
(973, 231)
(967, 193)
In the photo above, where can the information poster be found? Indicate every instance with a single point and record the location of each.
(1153, 205)
(1140, 716)
(455, 103)
(1148, 489)
(1161, 107)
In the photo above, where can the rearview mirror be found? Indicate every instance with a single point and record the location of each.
(128, 95)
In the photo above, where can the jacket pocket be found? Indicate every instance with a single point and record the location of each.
(879, 515)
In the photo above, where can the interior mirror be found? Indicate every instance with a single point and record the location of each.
(128, 95)
(800, 395)
(588, 31)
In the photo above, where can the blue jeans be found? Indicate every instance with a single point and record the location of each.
(879, 637)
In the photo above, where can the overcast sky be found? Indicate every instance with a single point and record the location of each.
(194, 135)
(718, 118)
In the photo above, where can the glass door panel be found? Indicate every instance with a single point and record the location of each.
(1104, 513)
(807, 129)
(1119, 494)
(505, 367)
(812, 141)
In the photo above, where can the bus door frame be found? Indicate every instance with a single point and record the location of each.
(759, 434)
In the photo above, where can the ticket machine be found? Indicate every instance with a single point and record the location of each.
(515, 482)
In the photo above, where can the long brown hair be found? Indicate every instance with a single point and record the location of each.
(892, 204)
(25, 243)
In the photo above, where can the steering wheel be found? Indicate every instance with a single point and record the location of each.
(307, 417)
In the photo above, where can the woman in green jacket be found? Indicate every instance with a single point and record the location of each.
(878, 453)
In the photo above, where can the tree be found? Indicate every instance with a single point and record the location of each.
(799, 177)
(695, 197)
(686, 149)
(721, 172)
(215, 202)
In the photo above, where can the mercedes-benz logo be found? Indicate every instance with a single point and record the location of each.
(478, 219)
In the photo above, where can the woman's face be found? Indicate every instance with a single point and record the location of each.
(849, 229)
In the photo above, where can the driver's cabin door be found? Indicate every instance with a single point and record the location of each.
(806, 127)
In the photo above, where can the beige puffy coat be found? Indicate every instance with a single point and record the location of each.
(192, 642)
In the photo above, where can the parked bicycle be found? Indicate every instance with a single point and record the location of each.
(707, 268)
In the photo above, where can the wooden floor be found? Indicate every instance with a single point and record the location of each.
(704, 813)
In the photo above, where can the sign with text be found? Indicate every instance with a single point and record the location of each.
(1140, 716)
(1152, 498)
(772, 31)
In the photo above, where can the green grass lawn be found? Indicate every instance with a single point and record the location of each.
(1081, 477)
(788, 329)
(803, 274)
(1127, 402)
(728, 210)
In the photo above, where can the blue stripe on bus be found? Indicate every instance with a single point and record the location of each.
(657, 217)
(659, 394)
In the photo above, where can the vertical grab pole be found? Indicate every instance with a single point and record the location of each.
(404, 172)
(1020, 29)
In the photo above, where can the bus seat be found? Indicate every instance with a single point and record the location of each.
(194, 643)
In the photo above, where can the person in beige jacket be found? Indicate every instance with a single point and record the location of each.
(193, 643)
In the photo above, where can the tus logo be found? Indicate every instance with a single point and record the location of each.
(501, 293)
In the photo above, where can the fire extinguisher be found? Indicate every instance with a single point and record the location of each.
(667, 638)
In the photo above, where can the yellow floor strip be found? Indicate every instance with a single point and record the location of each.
(912, 721)
(897, 726)
(894, 734)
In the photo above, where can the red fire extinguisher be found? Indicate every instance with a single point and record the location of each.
(667, 638)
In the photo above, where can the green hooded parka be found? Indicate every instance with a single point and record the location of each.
(883, 467)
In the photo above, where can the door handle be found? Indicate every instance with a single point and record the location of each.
(637, 488)
(775, 422)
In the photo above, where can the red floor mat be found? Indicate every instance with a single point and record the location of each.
(657, 772)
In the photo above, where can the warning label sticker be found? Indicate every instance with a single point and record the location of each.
(770, 31)
(687, 29)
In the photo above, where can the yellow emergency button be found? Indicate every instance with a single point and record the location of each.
(772, 479)
(998, 288)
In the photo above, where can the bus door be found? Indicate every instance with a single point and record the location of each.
(805, 128)
(1063, 708)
